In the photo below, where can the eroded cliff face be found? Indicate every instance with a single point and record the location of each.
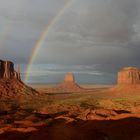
(129, 75)
(7, 70)
(10, 82)
(128, 82)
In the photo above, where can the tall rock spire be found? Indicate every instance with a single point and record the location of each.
(6, 69)
(18, 68)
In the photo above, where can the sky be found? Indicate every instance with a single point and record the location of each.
(92, 38)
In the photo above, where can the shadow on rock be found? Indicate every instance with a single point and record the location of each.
(60, 129)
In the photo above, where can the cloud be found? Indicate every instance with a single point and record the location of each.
(94, 31)
(89, 32)
(49, 69)
(46, 73)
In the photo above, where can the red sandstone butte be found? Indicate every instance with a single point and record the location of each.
(69, 78)
(128, 81)
(10, 82)
(68, 85)
(7, 70)
(129, 75)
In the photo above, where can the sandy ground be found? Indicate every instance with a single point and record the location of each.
(94, 115)
(88, 86)
(44, 88)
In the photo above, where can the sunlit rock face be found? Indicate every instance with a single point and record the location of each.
(67, 86)
(129, 75)
(69, 78)
(128, 82)
(7, 70)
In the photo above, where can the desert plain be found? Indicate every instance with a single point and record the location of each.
(69, 111)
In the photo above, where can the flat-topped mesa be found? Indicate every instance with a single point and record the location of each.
(129, 75)
(7, 70)
(69, 78)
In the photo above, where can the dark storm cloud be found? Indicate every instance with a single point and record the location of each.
(90, 32)
(95, 31)
(22, 22)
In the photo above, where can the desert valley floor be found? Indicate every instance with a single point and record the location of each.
(91, 115)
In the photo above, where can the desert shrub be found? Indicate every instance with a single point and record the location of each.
(86, 105)
(9, 105)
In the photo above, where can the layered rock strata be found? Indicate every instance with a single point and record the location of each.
(129, 75)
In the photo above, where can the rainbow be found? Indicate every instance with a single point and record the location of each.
(43, 36)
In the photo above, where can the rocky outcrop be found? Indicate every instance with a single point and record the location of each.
(128, 82)
(7, 70)
(129, 75)
(68, 86)
(69, 78)
(10, 82)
